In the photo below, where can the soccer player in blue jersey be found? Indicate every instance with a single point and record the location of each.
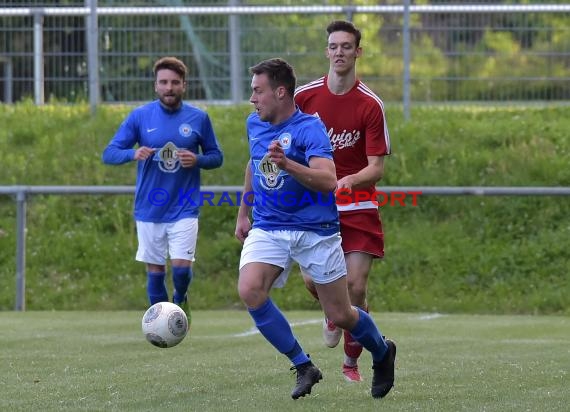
(171, 141)
(290, 181)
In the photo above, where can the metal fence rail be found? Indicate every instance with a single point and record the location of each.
(21, 193)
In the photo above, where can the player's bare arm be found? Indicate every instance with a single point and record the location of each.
(370, 175)
(320, 176)
(243, 224)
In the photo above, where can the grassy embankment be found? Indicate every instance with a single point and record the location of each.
(448, 254)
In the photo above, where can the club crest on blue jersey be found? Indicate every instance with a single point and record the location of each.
(285, 140)
(270, 176)
(185, 130)
(167, 158)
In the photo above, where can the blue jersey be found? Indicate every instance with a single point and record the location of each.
(165, 191)
(281, 202)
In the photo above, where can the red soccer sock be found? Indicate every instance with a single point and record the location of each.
(352, 349)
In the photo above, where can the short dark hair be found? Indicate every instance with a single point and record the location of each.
(347, 26)
(170, 63)
(279, 72)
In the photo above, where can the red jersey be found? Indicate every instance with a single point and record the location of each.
(355, 123)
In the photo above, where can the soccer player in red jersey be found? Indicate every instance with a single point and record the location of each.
(355, 122)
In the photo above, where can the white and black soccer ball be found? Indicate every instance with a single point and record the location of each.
(165, 324)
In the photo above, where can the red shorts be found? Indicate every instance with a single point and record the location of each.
(361, 231)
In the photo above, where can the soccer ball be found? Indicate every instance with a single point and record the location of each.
(164, 324)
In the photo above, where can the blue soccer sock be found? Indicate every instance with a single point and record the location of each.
(181, 278)
(156, 287)
(275, 328)
(367, 334)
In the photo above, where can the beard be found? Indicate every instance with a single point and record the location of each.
(170, 101)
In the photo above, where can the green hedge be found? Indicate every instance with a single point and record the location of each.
(448, 254)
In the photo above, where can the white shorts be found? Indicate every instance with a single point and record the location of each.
(157, 241)
(321, 257)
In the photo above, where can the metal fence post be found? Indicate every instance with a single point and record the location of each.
(406, 55)
(39, 58)
(235, 55)
(92, 31)
(21, 250)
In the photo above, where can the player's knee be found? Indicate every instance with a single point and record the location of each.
(251, 296)
(342, 319)
(357, 293)
(243, 291)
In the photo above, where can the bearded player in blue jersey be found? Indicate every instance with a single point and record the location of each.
(290, 153)
(171, 141)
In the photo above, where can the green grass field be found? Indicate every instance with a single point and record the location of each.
(94, 361)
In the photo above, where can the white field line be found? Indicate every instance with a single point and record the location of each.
(254, 331)
(430, 316)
